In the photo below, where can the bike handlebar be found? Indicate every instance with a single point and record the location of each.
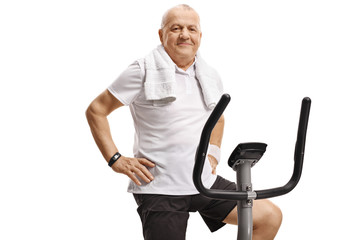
(235, 195)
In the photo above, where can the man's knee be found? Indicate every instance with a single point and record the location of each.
(267, 215)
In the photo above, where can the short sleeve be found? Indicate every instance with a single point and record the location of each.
(128, 85)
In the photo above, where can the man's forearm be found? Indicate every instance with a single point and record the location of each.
(100, 130)
(96, 114)
(215, 139)
(217, 133)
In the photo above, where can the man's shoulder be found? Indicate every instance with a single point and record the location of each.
(140, 63)
(136, 68)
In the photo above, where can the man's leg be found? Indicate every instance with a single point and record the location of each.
(163, 217)
(267, 219)
(165, 225)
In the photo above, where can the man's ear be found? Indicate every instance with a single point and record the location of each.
(161, 35)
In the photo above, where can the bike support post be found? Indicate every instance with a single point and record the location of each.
(244, 207)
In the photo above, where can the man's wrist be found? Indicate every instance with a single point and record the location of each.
(214, 151)
(114, 158)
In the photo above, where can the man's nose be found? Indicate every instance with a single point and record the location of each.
(184, 34)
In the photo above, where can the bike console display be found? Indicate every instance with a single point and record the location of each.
(251, 151)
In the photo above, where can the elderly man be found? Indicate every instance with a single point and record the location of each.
(171, 93)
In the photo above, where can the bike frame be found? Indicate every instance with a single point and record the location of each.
(244, 195)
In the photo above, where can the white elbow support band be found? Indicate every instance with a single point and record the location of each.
(214, 151)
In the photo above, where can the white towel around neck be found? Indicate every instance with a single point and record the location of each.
(160, 84)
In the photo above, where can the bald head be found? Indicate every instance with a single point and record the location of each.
(184, 7)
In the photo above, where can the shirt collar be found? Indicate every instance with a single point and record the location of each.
(190, 71)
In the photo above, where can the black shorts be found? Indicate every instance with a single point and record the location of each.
(165, 217)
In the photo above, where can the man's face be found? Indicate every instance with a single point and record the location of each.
(181, 35)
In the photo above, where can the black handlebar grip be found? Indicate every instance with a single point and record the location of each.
(298, 155)
(205, 138)
(201, 155)
(261, 194)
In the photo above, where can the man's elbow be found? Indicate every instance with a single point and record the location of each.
(90, 112)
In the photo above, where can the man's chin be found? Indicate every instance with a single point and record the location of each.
(186, 52)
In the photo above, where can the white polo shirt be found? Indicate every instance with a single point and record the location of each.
(166, 134)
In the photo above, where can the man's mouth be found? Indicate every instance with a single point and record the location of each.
(184, 44)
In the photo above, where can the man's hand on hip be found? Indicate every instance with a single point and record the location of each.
(133, 168)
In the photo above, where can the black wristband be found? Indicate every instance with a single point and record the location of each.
(114, 158)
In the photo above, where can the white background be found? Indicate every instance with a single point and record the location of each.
(57, 56)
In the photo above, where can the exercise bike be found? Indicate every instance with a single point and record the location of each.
(245, 156)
